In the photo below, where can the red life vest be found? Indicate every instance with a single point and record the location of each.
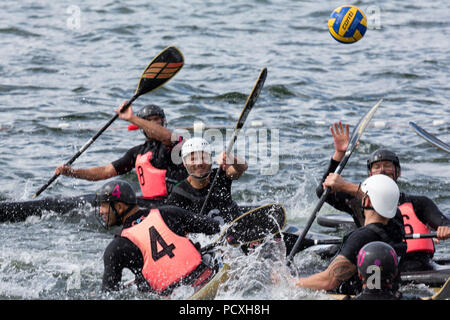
(414, 225)
(168, 257)
(151, 179)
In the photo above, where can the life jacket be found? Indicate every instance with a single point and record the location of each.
(168, 257)
(414, 225)
(151, 179)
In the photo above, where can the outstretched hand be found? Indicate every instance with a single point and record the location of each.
(341, 138)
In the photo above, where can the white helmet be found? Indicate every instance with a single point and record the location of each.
(195, 145)
(383, 193)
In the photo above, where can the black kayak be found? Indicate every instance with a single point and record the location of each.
(16, 211)
(336, 220)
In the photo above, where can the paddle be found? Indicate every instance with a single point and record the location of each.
(251, 100)
(442, 294)
(350, 148)
(429, 137)
(312, 242)
(160, 70)
(421, 235)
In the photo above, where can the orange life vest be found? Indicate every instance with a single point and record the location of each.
(414, 225)
(168, 257)
(151, 179)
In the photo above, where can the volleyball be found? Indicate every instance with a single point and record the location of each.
(347, 24)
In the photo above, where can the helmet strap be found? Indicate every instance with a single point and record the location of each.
(119, 217)
(364, 207)
(201, 178)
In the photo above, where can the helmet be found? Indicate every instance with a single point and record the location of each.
(196, 144)
(152, 110)
(116, 191)
(383, 193)
(380, 254)
(382, 155)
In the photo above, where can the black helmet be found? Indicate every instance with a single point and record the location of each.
(116, 191)
(380, 254)
(152, 110)
(382, 155)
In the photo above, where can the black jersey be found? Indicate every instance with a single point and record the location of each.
(187, 197)
(356, 239)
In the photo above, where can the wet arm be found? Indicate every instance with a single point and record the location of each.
(429, 213)
(182, 221)
(155, 131)
(339, 270)
(92, 174)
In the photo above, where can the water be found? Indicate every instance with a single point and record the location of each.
(66, 65)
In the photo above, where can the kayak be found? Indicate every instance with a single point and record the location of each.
(16, 211)
(440, 293)
(429, 277)
(209, 290)
(336, 220)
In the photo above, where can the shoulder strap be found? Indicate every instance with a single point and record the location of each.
(399, 247)
(380, 232)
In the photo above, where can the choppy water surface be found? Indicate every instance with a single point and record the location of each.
(66, 65)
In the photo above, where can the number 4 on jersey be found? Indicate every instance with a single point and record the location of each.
(156, 238)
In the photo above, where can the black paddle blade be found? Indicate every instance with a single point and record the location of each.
(162, 68)
(251, 99)
(256, 224)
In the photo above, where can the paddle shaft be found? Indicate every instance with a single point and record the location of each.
(86, 145)
(421, 235)
(312, 242)
(316, 210)
(251, 100)
(219, 171)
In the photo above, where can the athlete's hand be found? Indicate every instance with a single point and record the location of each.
(340, 136)
(225, 161)
(334, 181)
(64, 170)
(127, 114)
(443, 233)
